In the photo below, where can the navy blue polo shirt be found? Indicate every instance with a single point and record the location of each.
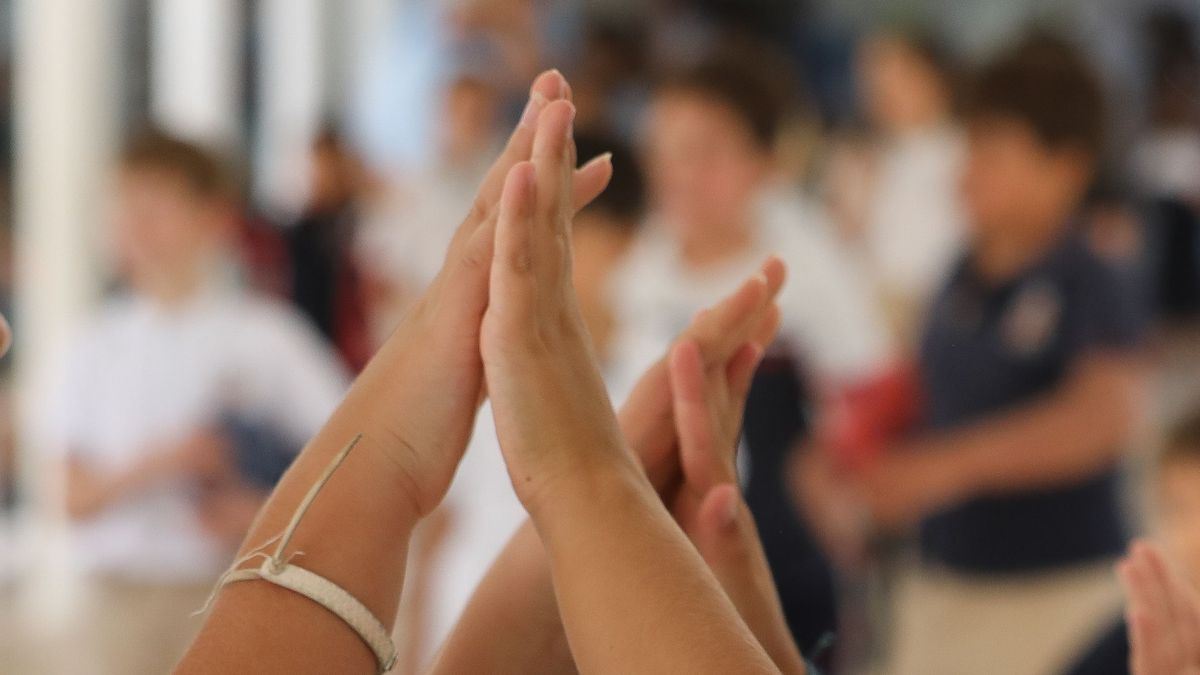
(991, 348)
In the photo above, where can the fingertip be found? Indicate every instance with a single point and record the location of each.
(550, 84)
(721, 506)
(774, 271)
(519, 188)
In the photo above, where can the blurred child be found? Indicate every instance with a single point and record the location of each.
(716, 214)
(404, 238)
(903, 209)
(480, 513)
(325, 282)
(179, 406)
(1031, 369)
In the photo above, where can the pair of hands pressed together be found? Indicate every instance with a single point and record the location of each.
(607, 494)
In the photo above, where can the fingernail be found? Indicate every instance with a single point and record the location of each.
(598, 159)
(533, 108)
(729, 517)
(571, 123)
(563, 89)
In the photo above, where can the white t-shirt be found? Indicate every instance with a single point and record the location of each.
(1168, 163)
(143, 377)
(484, 512)
(829, 319)
(404, 237)
(915, 219)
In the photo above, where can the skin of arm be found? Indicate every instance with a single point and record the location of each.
(1065, 436)
(414, 406)
(633, 593)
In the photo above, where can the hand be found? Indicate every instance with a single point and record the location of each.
(227, 511)
(905, 484)
(552, 413)
(708, 411)
(707, 406)
(433, 377)
(204, 457)
(831, 507)
(1163, 614)
(748, 315)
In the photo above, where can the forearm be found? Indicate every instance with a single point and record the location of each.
(740, 565)
(1057, 440)
(258, 627)
(611, 545)
(89, 493)
(512, 624)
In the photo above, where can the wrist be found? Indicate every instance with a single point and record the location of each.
(591, 485)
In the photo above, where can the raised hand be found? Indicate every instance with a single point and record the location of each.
(1163, 615)
(433, 372)
(546, 389)
(610, 541)
(747, 316)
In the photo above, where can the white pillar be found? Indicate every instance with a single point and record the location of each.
(195, 70)
(291, 99)
(65, 130)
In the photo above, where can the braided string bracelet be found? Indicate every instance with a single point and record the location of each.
(278, 570)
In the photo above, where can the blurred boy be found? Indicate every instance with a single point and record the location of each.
(1030, 369)
(174, 409)
(480, 513)
(717, 213)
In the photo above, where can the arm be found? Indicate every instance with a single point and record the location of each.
(633, 593)
(413, 431)
(89, 492)
(1066, 436)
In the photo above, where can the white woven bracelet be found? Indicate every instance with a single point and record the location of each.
(277, 570)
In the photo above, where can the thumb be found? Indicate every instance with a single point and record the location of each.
(717, 524)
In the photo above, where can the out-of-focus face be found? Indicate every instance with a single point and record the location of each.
(704, 167)
(162, 232)
(899, 89)
(468, 117)
(1011, 180)
(1179, 514)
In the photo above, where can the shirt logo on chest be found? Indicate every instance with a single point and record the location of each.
(1032, 319)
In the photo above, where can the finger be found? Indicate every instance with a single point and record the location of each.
(591, 179)
(740, 373)
(715, 329)
(768, 326)
(1176, 592)
(551, 155)
(548, 87)
(723, 328)
(716, 523)
(1159, 578)
(703, 465)
(512, 282)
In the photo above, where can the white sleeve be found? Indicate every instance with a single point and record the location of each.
(59, 415)
(829, 312)
(304, 379)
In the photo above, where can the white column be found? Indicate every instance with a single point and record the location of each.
(65, 130)
(195, 70)
(291, 99)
